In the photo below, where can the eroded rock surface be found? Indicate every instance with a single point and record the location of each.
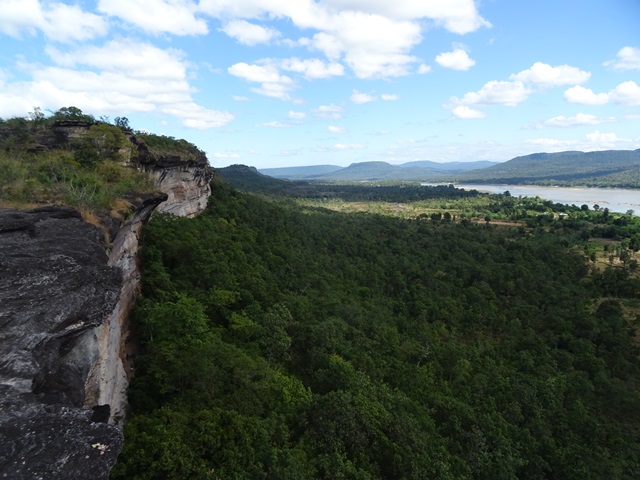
(55, 286)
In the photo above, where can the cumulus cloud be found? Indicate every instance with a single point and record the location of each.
(336, 129)
(374, 38)
(627, 93)
(544, 75)
(52, 19)
(249, 33)
(585, 96)
(177, 17)
(578, 119)
(628, 58)
(371, 45)
(423, 68)
(296, 115)
(312, 68)
(359, 97)
(457, 59)
(118, 77)
(495, 93)
(388, 97)
(240, 98)
(464, 112)
(272, 84)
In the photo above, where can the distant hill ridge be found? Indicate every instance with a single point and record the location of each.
(609, 168)
(376, 171)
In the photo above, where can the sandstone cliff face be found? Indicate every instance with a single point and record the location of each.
(64, 313)
(55, 285)
(108, 377)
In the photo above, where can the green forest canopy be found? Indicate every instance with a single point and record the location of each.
(290, 342)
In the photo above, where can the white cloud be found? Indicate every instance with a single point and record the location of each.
(627, 93)
(135, 60)
(272, 83)
(388, 97)
(584, 96)
(578, 119)
(371, 45)
(373, 37)
(196, 116)
(240, 98)
(177, 17)
(117, 78)
(359, 97)
(628, 58)
(335, 129)
(350, 146)
(464, 112)
(296, 115)
(593, 141)
(225, 156)
(249, 33)
(545, 75)
(495, 93)
(423, 68)
(333, 112)
(54, 20)
(608, 139)
(457, 59)
(553, 144)
(457, 16)
(313, 68)
(273, 124)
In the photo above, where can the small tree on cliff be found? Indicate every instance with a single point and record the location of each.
(105, 142)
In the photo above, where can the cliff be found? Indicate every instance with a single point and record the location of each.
(64, 306)
(56, 286)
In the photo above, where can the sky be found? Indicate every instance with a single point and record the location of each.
(278, 83)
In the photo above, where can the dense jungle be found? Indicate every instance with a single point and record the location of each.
(365, 334)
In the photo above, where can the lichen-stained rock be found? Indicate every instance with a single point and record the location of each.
(55, 285)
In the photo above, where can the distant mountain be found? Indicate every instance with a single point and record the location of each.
(619, 168)
(376, 171)
(611, 168)
(300, 173)
(449, 167)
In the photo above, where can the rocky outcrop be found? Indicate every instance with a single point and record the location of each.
(55, 286)
(187, 188)
(184, 180)
(109, 375)
(64, 310)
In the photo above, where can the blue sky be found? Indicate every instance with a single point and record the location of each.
(274, 83)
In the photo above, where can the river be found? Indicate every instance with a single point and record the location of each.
(615, 199)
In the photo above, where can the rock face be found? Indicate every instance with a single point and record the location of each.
(187, 187)
(185, 181)
(55, 286)
(109, 376)
(64, 313)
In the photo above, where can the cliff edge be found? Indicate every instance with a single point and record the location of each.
(65, 300)
(55, 286)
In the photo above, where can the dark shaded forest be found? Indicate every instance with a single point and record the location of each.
(288, 342)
